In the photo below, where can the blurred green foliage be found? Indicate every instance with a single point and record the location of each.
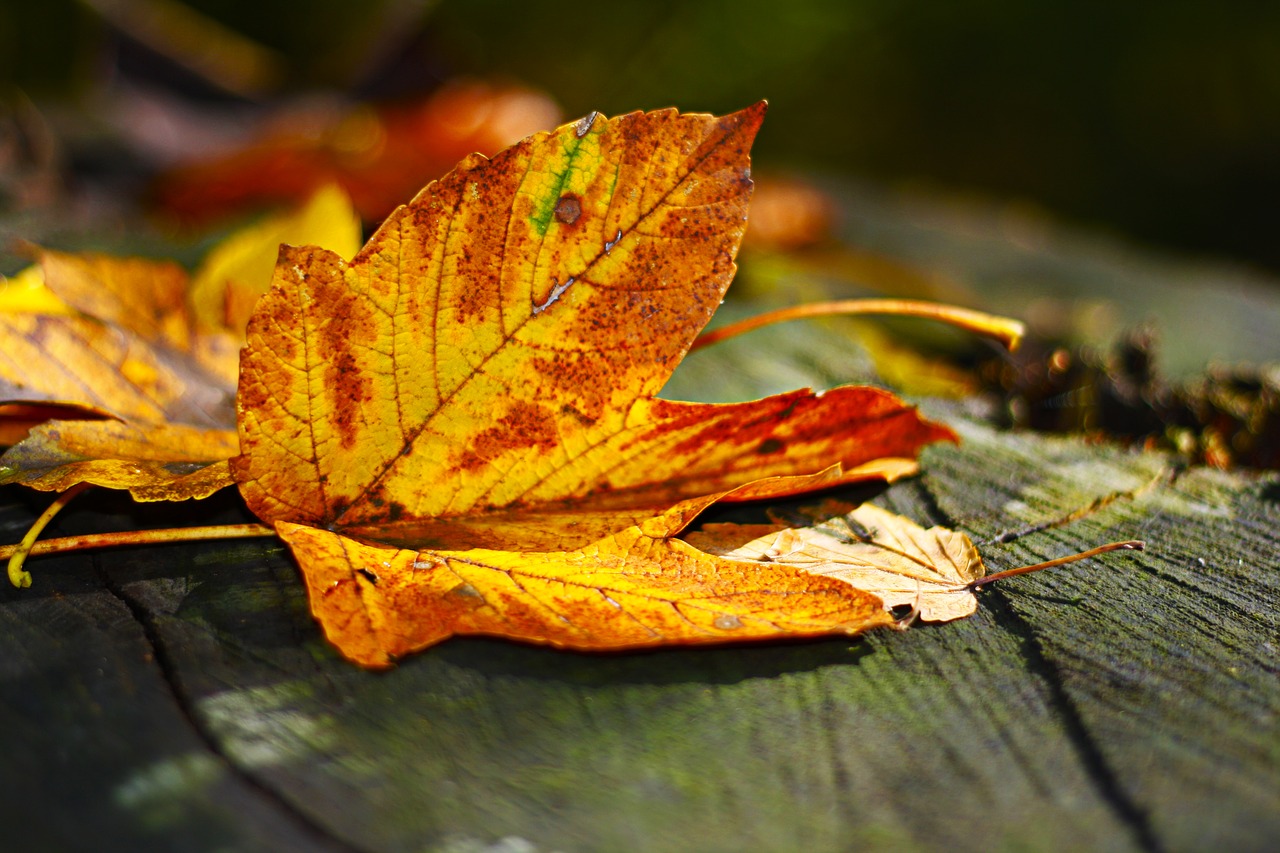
(1161, 120)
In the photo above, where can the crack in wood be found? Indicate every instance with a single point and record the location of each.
(1092, 759)
(314, 834)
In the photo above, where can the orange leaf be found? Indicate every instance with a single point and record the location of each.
(478, 383)
(627, 590)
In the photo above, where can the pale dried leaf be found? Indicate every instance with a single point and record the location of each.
(876, 551)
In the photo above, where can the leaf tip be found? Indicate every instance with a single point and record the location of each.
(753, 115)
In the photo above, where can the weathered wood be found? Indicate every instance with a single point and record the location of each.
(98, 746)
(1167, 661)
(180, 697)
(1120, 704)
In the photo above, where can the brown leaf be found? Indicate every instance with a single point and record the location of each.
(477, 384)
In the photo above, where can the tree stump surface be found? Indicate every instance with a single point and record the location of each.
(181, 697)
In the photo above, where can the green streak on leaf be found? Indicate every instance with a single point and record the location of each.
(546, 204)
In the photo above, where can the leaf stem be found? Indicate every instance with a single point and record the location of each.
(19, 576)
(1131, 545)
(126, 537)
(1008, 332)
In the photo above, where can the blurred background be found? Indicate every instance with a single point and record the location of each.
(1156, 121)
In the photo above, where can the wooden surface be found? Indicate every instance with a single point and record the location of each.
(180, 697)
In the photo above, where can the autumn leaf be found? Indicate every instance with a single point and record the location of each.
(627, 590)
(380, 154)
(162, 386)
(456, 431)
(891, 557)
(935, 571)
(237, 271)
(144, 301)
(122, 338)
(159, 462)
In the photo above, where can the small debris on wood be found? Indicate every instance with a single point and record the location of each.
(1227, 418)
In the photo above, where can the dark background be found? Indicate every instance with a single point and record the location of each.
(1159, 121)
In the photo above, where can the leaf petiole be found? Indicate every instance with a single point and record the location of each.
(19, 576)
(1007, 331)
(122, 538)
(1131, 545)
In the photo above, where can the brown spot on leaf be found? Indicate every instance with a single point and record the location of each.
(351, 389)
(573, 412)
(769, 446)
(568, 209)
(468, 593)
(525, 426)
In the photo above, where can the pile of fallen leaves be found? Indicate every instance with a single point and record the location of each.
(456, 431)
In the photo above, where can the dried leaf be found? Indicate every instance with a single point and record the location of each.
(627, 590)
(477, 384)
(82, 362)
(95, 368)
(100, 336)
(160, 462)
(145, 298)
(876, 551)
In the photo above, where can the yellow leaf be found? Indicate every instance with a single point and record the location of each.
(73, 360)
(628, 590)
(238, 270)
(97, 335)
(25, 293)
